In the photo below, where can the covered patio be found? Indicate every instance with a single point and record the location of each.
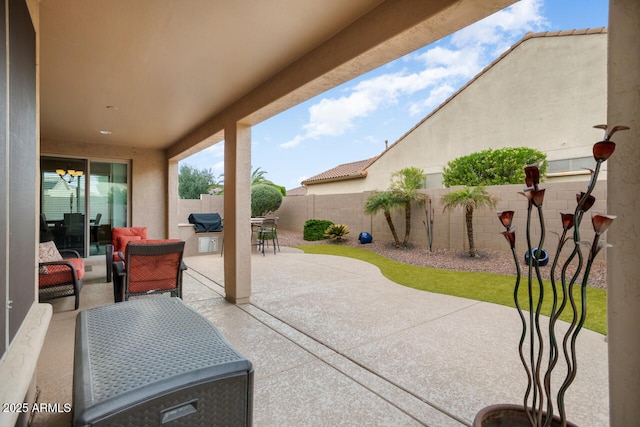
(333, 342)
(133, 83)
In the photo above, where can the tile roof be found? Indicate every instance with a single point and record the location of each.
(342, 172)
(298, 191)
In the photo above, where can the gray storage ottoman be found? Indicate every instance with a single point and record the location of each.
(155, 361)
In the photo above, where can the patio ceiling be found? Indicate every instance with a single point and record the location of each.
(152, 72)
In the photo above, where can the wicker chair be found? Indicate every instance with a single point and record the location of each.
(120, 236)
(60, 273)
(149, 267)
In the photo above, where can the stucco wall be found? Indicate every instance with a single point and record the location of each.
(449, 227)
(547, 94)
(148, 178)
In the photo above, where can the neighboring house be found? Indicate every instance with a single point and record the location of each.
(341, 175)
(298, 191)
(546, 92)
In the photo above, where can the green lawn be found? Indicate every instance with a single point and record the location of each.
(494, 288)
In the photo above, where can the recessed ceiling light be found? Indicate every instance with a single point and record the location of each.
(105, 132)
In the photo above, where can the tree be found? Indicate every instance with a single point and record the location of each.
(493, 167)
(264, 199)
(469, 199)
(385, 201)
(406, 183)
(257, 177)
(193, 182)
(217, 187)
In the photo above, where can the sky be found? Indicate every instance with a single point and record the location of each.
(352, 121)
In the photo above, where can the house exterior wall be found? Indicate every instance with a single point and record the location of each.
(24, 322)
(547, 94)
(148, 179)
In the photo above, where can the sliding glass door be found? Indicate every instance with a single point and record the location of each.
(81, 201)
(107, 202)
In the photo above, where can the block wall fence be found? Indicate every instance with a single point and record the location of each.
(449, 228)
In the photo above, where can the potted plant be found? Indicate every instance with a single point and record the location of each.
(540, 404)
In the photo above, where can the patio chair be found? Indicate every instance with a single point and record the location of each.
(149, 267)
(60, 273)
(95, 226)
(268, 230)
(46, 234)
(74, 229)
(120, 236)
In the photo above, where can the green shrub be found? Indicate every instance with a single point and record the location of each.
(264, 199)
(336, 231)
(493, 167)
(314, 229)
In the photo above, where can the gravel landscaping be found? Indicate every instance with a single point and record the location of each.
(449, 259)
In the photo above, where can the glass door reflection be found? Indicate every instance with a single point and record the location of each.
(107, 202)
(63, 203)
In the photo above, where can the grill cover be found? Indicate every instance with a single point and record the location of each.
(206, 222)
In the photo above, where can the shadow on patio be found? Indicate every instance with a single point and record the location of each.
(333, 342)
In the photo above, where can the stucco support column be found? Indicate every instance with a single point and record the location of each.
(172, 200)
(623, 177)
(237, 213)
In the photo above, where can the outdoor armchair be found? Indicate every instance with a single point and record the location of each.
(60, 273)
(120, 236)
(149, 267)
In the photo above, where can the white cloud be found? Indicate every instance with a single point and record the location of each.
(502, 26)
(292, 143)
(442, 69)
(216, 150)
(206, 159)
(436, 97)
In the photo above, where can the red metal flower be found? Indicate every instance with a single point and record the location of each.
(601, 222)
(532, 175)
(603, 150)
(505, 218)
(537, 197)
(567, 220)
(588, 203)
(534, 196)
(510, 235)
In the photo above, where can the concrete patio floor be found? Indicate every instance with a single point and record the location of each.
(334, 343)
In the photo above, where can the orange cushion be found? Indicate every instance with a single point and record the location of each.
(117, 232)
(151, 273)
(61, 274)
(123, 241)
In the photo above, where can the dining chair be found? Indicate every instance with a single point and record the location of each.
(268, 230)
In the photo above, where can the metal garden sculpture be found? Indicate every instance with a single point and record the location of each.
(538, 404)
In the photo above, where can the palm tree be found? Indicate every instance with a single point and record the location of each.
(258, 177)
(406, 183)
(469, 199)
(385, 201)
